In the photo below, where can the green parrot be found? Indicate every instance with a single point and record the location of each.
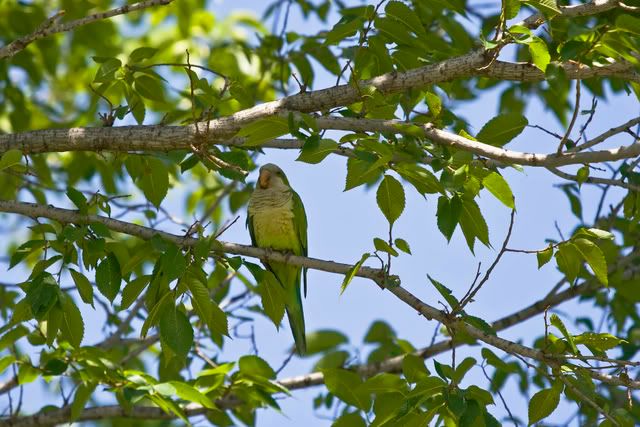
(276, 219)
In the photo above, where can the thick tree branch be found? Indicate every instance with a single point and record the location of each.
(166, 138)
(502, 155)
(221, 131)
(68, 216)
(49, 26)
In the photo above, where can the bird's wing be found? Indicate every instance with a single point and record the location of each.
(300, 222)
(251, 231)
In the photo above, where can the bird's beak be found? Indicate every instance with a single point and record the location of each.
(263, 180)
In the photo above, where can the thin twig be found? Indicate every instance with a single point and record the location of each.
(576, 108)
(48, 28)
(473, 291)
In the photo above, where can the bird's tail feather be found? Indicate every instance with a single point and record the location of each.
(289, 277)
(295, 313)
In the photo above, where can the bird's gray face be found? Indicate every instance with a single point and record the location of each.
(271, 176)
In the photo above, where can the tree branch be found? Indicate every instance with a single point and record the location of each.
(595, 180)
(502, 155)
(68, 216)
(48, 27)
(167, 138)
(594, 7)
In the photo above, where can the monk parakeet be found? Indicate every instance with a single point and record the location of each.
(276, 219)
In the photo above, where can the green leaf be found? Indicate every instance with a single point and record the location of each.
(445, 292)
(254, 365)
(379, 332)
(271, 292)
(273, 297)
(349, 419)
(479, 323)
(548, 7)
(10, 158)
(176, 331)
(434, 103)
(154, 314)
(133, 289)
(498, 186)
(42, 295)
(408, 17)
(423, 181)
(502, 129)
(343, 30)
(78, 199)
(72, 326)
(473, 224)
(593, 255)
(323, 340)
(80, 399)
(542, 404)
(346, 385)
(544, 256)
(595, 232)
(385, 383)
(12, 336)
(511, 8)
(108, 277)
(539, 54)
(141, 53)
(383, 246)
(149, 87)
(107, 70)
(191, 394)
(317, 150)
(54, 323)
(352, 272)
(360, 172)
(207, 309)
(154, 181)
(582, 175)
(448, 214)
(331, 359)
(261, 131)
(6, 361)
(569, 261)
(390, 198)
(627, 22)
(403, 245)
(557, 322)
(27, 373)
(413, 368)
(83, 285)
(173, 262)
(573, 194)
(600, 341)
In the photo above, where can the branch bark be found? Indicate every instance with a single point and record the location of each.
(502, 155)
(221, 131)
(68, 216)
(167, 138)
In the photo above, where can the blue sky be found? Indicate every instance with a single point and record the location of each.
(343, 224)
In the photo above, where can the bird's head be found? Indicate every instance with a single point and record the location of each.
(271, 176)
